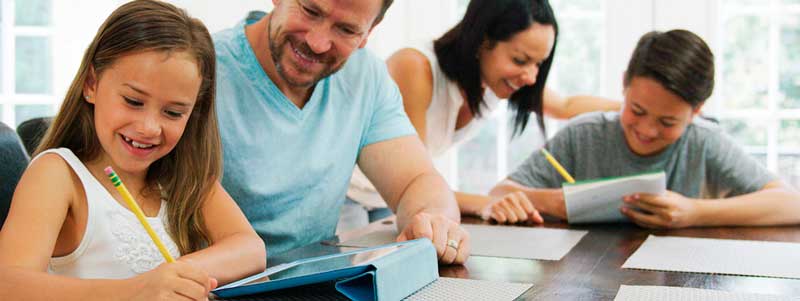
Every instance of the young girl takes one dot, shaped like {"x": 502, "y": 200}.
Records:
{"x": 711, "y": 181}
{"x": 142, "y": 103}
{"x": 500, "y": 50}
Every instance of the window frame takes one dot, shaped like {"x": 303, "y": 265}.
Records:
{"x": 9, "y": 98}
{"x": 773, "y": 115}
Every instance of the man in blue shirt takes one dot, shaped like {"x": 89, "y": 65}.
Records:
{"x": 299, "y": 104}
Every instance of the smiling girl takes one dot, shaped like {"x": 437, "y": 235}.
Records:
{"x": 143, "y": 103}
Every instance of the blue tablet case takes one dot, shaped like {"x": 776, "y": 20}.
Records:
{"x": 390, "y": 277}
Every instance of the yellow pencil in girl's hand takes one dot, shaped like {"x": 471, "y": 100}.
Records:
{"x": 138, "y": 212}
{"x": 558, "y": 166}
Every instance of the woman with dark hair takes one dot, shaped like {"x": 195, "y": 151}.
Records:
{"x": 501, "y": 49}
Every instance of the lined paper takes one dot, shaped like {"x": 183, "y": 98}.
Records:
{"x": 663, "y": 293}
{"x": 598, "y": 201}
{"x": 469, "y": 290}
{"x": 498, "y": 241}
{"x": 717, "y": 256}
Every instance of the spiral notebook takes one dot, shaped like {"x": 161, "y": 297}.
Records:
{"x": 599, "y": 200}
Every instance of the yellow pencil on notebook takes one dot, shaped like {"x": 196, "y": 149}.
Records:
{"x": 138, "y": 212}
{"x": 558, "y": 166}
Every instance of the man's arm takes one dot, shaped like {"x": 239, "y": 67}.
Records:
{"x": 403, "y": 173}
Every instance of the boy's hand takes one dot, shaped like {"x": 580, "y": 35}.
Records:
{"x": 511, "y": 208}
{"x": 671, "y": 210}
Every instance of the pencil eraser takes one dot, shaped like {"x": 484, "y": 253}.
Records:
{"x": 108, "y": 170}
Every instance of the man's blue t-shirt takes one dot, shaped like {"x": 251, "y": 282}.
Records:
{"x": 288, "y": 168}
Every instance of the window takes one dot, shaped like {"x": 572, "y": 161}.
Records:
{"x": 42, "y": 43}
{"x": 757, "y": 94}
{"x": 759, "y": 80}
{"x": 27, "y": 60}
{"x": 577, "y": 68}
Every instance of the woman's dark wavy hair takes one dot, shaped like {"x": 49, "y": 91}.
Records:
{"x": 495, "y": 21}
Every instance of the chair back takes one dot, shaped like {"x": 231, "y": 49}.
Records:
{"x": 31, "y": 132}
{"x": 13, "y": 161}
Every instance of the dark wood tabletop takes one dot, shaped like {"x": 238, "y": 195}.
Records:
{"x": 592, "y": 269}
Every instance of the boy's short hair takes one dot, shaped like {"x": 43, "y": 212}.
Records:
{"x": 677, "y": 59}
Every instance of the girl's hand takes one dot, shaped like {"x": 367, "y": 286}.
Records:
{"x": 511, "y": 208}
{"x": 173, "y": 281}
{"x": 671, "y": 210}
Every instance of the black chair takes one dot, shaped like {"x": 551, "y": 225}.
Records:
{"x": 31, "y": 132}
{"x": 13, "y": 161}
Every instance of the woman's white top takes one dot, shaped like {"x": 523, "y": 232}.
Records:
{"x": 114, "y": 245}
{"x": 440, "y": 122}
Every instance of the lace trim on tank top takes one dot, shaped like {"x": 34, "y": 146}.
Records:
{"x": 135, "y": 247}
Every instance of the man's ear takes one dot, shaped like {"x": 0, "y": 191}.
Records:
{"x": 90, "y": 85}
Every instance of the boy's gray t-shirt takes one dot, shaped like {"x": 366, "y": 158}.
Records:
{"x": 703, "y": 163}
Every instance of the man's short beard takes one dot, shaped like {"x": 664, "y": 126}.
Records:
{"x": 276, "y": 51}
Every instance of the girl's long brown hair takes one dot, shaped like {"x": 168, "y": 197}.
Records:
{"x": 188, "y": 173}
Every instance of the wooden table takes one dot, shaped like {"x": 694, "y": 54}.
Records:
{"x": 591, "y": 270}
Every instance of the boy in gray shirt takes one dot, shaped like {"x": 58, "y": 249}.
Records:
{"x": 669, "y": 77}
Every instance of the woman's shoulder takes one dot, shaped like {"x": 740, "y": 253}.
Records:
{"x": 411, "y": 70}
{"x": 410, "y": 60}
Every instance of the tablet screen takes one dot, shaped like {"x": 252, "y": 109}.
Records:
{"x": 303, "y": 268}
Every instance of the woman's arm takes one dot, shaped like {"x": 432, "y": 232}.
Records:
{"x": 568, "y": 107}
{"x": 235, "y": 250}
